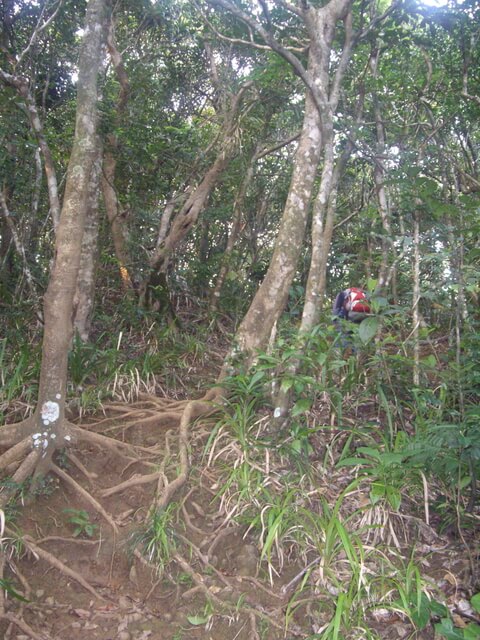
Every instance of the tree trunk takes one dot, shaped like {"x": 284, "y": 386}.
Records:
{"x": 233, "y": 235}
{"x": 20, "y": 249}
{"x": 379, "y": 178}
{"x": 113, "y": 208}
{"x": 188, "y": 215}
{"x": 48, "y": 420}
{"x": 271, "y": 297}
{"x": 322, "y": 99}
{"x": 21, "y": 85}
{"x": 416, "y": 317}
{"x": 85, "y": 292}
{"x": 115, "y": 215}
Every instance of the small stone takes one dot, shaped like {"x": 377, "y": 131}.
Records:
{"x": 50, "y": 601}
{"x": 40, "y": 593}
{"x": 124, "y": 635}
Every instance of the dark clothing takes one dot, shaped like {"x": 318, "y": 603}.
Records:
{"x": 339, "y": 310}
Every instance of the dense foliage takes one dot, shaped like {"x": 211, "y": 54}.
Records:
{"x": 165, "y": 122}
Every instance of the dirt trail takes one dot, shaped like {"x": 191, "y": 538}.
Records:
{"x": 101, "y": 586}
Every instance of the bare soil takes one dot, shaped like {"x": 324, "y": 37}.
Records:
{"x": 214, "y": 586}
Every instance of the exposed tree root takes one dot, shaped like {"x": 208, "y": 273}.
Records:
{"x": 223, "y": 604}
{"x": 190, "y": 524}
{"x": 85, "y": 495}
{"x": 191, "y": 409}
{"x": 24, "y": 471}
{"x": 23, "y": 457}
{"x": 23, "y": 626}
{"x": 57, "y": 564}
{"x": 156, "y": 420}
{"x": 15, "y": 453}
{"x": 132, "y": 482}
{"x": 80, "y": 466}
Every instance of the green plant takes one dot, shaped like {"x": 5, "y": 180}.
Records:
{"x": 6, "y": 585}
{"x": 392, "y": 473}
{"x": 471, "y": 631}
{"x": 276, "y": 520}
{"x": 202, "y": 618}
{"x": 157, "y": 541}
{"x": 19, "y": 371}
{"x": 80, "y": 519}
{"x": 413, "y": 600}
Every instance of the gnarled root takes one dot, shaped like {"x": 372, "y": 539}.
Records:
{"x": 38, "y": 552}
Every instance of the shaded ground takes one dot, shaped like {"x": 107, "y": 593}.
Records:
{"x": 215, "y": 585}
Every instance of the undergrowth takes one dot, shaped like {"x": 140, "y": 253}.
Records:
{"x": 417, "y": 458}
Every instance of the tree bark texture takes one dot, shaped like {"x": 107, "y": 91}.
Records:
{"x": 384, "y": 272}
{"x": 85, "y": 291}
{"x": 58, "y": 304}
{"x": 188, "y": 215}
{"x": 317, "y": 135}
{"x": 271, "y": 297}
{"x": 233, "y": 235}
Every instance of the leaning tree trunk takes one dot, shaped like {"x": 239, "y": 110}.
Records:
{"x": 47, "y": 425}
{"x": 188, "y": 215}
{"x": 22, "y": 87}
{"x": 270, "y": 300}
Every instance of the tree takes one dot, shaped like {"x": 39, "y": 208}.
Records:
{"x": 47, "y": 429}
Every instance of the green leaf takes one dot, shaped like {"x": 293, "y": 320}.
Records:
{"x": 297, "y": 445}
{"x": 367, "y": 329}
{"x": 377, "y": 492}
{"x": 446, "y": 629}
{"x": 7, "y": 587}
{"x": 475, "y": 602}
{"x": 394, "y": 498}
{"x": 472, "y": 631}
{"x": 321, "y": 358}
{"x": 301, "y": 406}
{"x": 286, "y": 384}
{"x": 421, "y": 616}
{"x": 351, "y": 462}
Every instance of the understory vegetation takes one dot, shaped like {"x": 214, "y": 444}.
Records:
{"x": 196, "y": 441}
{"x": 355, "y": 500}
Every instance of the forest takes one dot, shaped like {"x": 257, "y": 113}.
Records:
{"x": 196, "y": 440}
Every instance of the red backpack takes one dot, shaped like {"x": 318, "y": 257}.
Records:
{"x": 357, "y": 301}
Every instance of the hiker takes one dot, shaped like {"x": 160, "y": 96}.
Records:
{"x": 351, "y": 305}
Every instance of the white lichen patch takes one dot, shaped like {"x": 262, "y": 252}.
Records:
{"x": 67, "y": 438}
{"x": 277, "y": 413}
{"x": 37, "y": 440}
{"x": 50, "y": 412}
{"x": 58, "y": 396}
